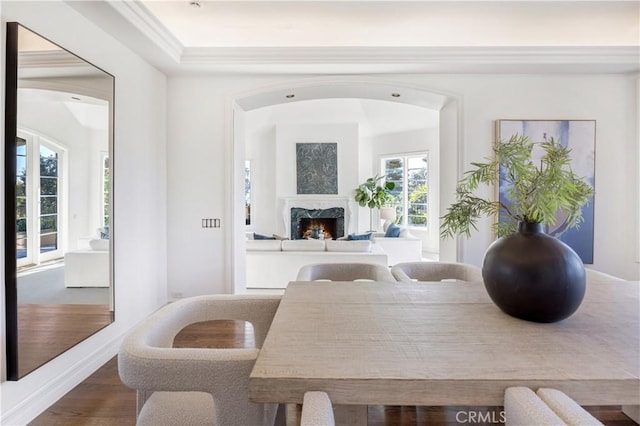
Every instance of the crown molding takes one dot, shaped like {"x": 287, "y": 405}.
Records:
{"x": 387, "y": 59}
{"x": 140, "y": 17}
{"x": 412, "y": 55}
{"x": 341, "y": 60}
{"x": 50, "y": 58}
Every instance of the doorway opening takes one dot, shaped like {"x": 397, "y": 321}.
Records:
{"x": 266, "y": 123}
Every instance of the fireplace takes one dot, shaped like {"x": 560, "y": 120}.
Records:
{"x": 322, "y": 208}
{"x": 317, "y": 223}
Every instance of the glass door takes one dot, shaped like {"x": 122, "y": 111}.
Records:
{"x": 24, "y": 251}
{"x": 49, "y": 217}
{"x": 38, "y": 195}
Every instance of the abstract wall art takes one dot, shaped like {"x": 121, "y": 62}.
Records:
{"x": 317, "y": 168}
{"x": 579, "y": 136}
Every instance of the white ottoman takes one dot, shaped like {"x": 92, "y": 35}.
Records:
{"x": 86, "y": 268}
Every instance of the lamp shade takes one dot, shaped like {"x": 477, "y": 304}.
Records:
{"x": 387, "y": 213}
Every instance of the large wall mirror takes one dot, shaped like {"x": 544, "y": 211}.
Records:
{"x": 58, "y": 189}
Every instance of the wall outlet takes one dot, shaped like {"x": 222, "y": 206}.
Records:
{"x": 176, "y": 295}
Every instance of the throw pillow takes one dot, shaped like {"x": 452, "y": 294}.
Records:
{"x": 104, "y": 232}
{"x": 352, "y": 237}
{"x": 262, "y": 237}
{"x": 393, "y": 231}
{"x": 279, "y": 237}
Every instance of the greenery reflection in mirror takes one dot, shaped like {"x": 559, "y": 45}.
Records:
{"x": 58, "y": 149}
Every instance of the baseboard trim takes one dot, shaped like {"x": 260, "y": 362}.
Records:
{"x": 632, "y": 411}
{"x": 31, "y": 407}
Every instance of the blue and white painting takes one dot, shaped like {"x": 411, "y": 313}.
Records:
{"x": 579, "y": 136}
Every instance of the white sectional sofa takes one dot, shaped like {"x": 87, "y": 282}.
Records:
{"x": 405, "y": 248}
{"x": 272, "y": 264}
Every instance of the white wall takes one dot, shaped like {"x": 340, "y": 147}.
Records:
{"x": 287, "y": 135}
{"x": 139, "y": 230}
{"x": 606, "y": 99}
{"x": 273, "y": 154}
{"x": 197, "y": 145}
{"x": 199, "y": 167}
{"x": 260, "y": 149}
{"x": 637, "y": 192}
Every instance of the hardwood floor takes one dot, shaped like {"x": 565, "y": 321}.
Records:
{"x": 40, "y": 338}
{"x": 103, "y": 400}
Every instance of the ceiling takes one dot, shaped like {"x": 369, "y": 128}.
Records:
{"x": 337, "y": 37}
{"x": 374, "y": 117}
{"x": 394, "y": 23}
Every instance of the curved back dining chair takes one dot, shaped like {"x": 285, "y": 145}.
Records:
{"x": 344, "y": 272}
{"x": 435, "y": 271}
{"x": 201, "y": 384}
{"x": 546, "y": 407}
{"x": 566, "y": 408}
{"x": 317, "y": 410}
{"x": 523, "y": 407}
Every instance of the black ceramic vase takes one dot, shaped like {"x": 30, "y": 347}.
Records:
{"x": 533, "y": 276}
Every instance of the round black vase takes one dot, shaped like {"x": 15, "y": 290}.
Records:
{"x": 532, "y": 276}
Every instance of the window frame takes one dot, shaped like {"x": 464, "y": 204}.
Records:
{"x": 34, "y": 141}
{"x": 105, "y": 189}
{"x": 248, "y": 192}
{"x": 405, "y": 201}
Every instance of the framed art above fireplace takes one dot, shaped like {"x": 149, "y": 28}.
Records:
{"x": 317, "y": 168}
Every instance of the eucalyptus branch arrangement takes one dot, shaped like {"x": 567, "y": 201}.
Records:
{"x": 537, "y": 192}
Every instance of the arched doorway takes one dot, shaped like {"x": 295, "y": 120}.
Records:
{"x": 448, "y": 106}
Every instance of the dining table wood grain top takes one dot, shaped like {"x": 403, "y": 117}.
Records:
{"x": 444, "y": 343}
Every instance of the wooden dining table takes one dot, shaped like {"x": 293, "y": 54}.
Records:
{"x": 444, "y": 344}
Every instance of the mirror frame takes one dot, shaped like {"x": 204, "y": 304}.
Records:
{"x": 10, "y": 150}
{"x": 10, "y": 134}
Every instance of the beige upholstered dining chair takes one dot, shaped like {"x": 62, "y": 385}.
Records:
{"x": 344, "y": 272}
{"x": 317, "y": 410}
{"x": 550, "y": 407}
{"x": 435, "y": 271}
{"x": 196, "y": 385}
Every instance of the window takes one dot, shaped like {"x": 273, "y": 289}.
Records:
{"x": 48, "y": 200}
{"x": 38, "y": 194}
{"x": 247, "y": 192}
{"x": 105, "y": 190}
{"x": 409, "y": 172}
{"x": 22, "y": 240}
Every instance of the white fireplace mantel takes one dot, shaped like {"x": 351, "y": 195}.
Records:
{"x": 318, "y": 202}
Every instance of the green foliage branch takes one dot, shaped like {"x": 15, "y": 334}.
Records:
{"x": 537, "y": 192}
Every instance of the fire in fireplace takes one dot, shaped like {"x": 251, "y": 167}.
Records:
{"x": 321, "y": 228}
{"x": 317, "y": 223}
